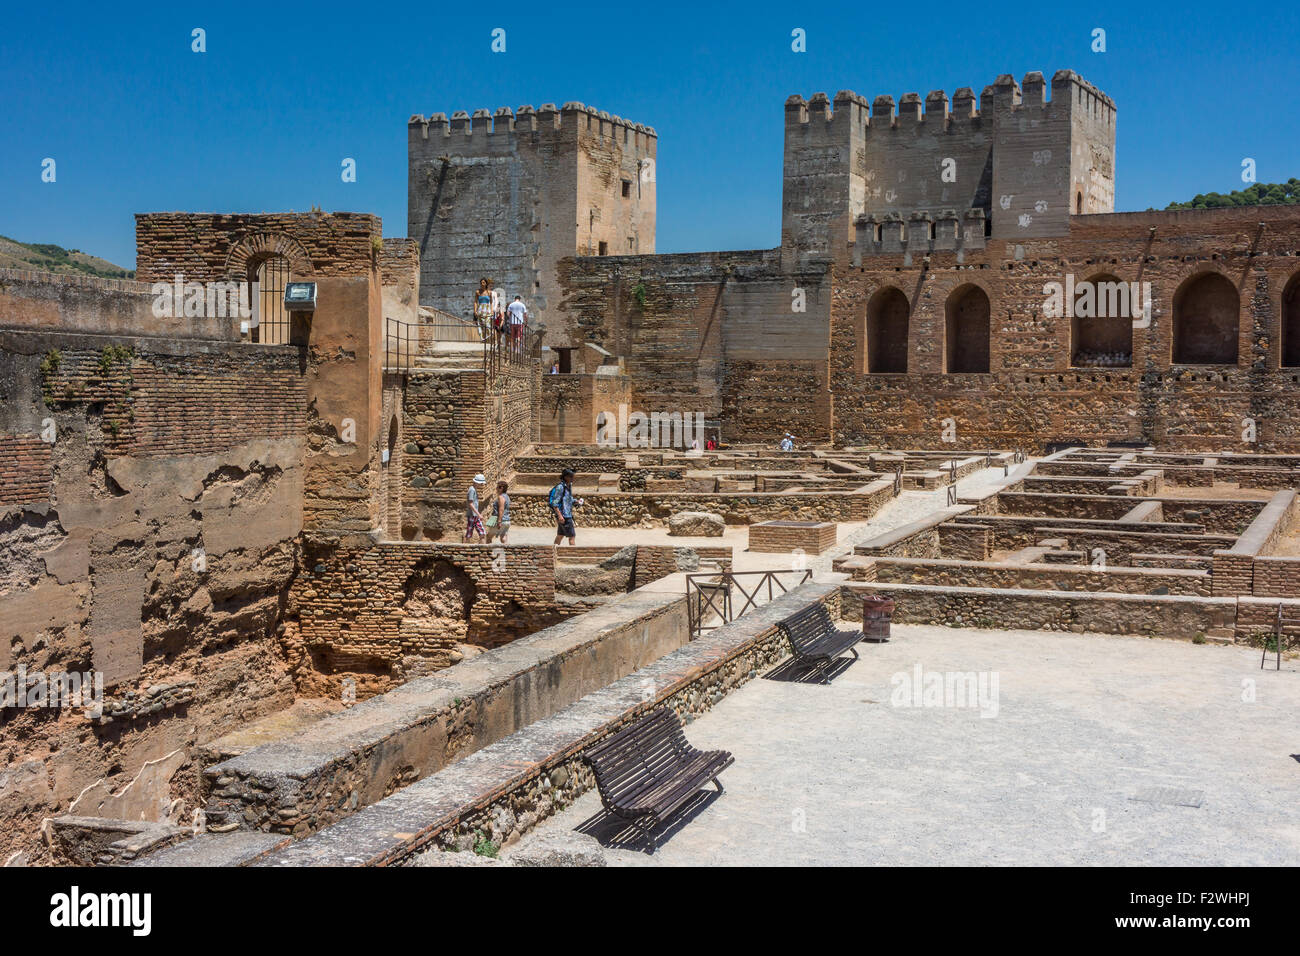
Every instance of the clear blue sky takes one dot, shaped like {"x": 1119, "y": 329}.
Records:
{"x": 261, "y": 122}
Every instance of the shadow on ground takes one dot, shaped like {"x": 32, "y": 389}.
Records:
{"x": 615, "y": 833}
{"x": 791, "y": 671}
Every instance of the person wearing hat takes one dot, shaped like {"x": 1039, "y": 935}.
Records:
{"x": 473, "y": 519}
{"x": 787, "y": 443}
{"x": 561, "y": 503}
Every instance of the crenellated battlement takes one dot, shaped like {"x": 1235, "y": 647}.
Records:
{"x": 1004, "y": 95}
{"x": 508, "y": 194}
{"x": 883, "y": 172}
{"x": 569, "y": 121}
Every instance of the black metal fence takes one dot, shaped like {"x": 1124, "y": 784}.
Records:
{"x": 715, "y": 594}
{"x": 511, "y": 344}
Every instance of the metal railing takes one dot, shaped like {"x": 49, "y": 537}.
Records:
{"x": 511, "y": 345}
{"x": 710, "y": 594}
{"x": 1280, "y": 624}
{"x": 504, "y": 345}
{"x": 401, "y": 343}
{"x": 445, "y": 327}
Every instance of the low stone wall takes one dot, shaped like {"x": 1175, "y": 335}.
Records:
{"x": 1182, "y": 475}
{"x": 1144, "y": 512}
{"x": 968, "y": 542}
{"x": 1276, "y": 577}
{"x": 99, "y": 841}
{"x": 1234, "y": 567}
{"x": 508, "y": 787}
{"x": 579, "y": 571}
{"x": 918, "y": 539}
{"x": 1175, "y": 616}
{"x": 1013, "y": 532}
{"x": 1063, "y": 505}
{"x": 782, "y": 536}
{"x": 632, "y": 509}
{"x": 357, "y": 757}
{"x": 1217, "y": 516}
{"x": 1080, "y": 484}
{"x": 1213, "y": 516}
{"x": 1056, "y": 577}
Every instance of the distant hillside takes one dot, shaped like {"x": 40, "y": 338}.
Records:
{"x": 47, "y": 257}
{"x": 1258, "y": 194}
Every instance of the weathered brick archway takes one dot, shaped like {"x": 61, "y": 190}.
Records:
{"x": 250, "y": 251}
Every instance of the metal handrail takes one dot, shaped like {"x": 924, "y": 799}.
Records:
{"x": 1279, "y": 624}
{"x": 398, "y": 348}
{"x": 720, "y": 584}
{"x": 505, "y": 346}
{"x": 445, "y": 327}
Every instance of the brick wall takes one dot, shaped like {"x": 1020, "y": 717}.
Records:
{"x": 159, "y": 556}
{"x": 1276, "y": 577}
{"x": 455, "y": 425}
{"x": 723, "y": 333}
{"x": 25, "y": 471}
{"x": 184, "y": 402}
{"x": 386, "y": 612}
{"x": 1032, "y": 395}
{"x": 206, "y": 248}
{"x": 782, "y": 536}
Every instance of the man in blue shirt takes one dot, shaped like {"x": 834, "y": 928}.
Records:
{"x": 561, "y": 504}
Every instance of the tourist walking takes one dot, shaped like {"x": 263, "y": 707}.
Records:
{"x": 498, "y": 522}
{"x": 483, "y": 310}
{"x": 518, "y": 316}
{"x": 473, "y": 518}
{"x": 561, "y": 503}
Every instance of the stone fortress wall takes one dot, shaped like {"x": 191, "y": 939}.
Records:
{"x": 508, "y": 195}
{"x": 220, "y": 527}
{"x": 905, "y": 308}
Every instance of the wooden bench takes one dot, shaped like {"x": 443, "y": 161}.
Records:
{"x": 648, "y": 770}
{"x": 814, "y": 639}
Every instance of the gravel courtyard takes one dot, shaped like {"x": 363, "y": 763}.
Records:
{"x": 1076, "y": 727}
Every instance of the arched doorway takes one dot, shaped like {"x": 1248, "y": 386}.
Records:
{"x": 966, "y": 327}
{"x": 887, "y": 330}
{"x": 1206, "y": 321}
{"x": 1101, "y": 327}
{"x": 271, "y": 273}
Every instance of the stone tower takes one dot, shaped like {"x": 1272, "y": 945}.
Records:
{"x": 1017, "y": 167}
{"x": 508, "y": 196}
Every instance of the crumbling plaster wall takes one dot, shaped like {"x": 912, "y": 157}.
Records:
{"x": 154, "y": 546}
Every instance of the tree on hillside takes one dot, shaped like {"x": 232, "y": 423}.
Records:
{"x": 1256, "y": 194}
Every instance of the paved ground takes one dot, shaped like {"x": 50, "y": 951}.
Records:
{"x": 840, "y": 775}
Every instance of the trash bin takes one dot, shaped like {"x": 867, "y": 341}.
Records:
{"x": 877, "y": 613}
